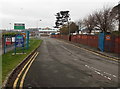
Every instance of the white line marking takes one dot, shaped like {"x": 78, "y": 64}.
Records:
{"x": 109, "y": 78}
{"x": 114, "y": 76}
{"x": 75, "y": 59}
{"x": 99, "y": 72}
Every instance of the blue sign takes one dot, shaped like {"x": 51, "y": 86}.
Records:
{"x": 19, "y": 41}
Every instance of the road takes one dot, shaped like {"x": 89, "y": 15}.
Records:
{"x": 60, "y": 64}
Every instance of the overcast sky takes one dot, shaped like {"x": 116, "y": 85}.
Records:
{"x": 31, "y": 12}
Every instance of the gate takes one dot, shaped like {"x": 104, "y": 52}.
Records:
{"x": 101, "y": 41}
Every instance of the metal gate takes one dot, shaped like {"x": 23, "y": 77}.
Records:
{"x": 101, "y": 41}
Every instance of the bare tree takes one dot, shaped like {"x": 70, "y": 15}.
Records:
{"x": 116, "y": 14}
{"x": 104, "y": 20}
{"x": 89, "y": 23}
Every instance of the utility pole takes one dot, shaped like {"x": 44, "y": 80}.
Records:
{"x": 69, "y": 29}
{"x": 10, "y": 26}
{"x": 37, "y": 24}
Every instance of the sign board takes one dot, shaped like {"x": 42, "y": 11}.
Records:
{"x": 19, "y": 41}
{"x": 8, "y": 41}
{"x": 24, "y": 35}
{"x": 108, "y": 37}
{"x": 19, "y": 26}
{"x": 13, "y": 39}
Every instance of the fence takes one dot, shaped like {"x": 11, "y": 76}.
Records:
{"x": 110, "y": 45}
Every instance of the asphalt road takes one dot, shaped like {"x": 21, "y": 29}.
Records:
{"x": 60, "y": 64}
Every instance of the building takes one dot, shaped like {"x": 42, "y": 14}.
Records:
{"x": 47, "y": 31}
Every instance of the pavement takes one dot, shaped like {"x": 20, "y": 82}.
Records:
{"x": 109, "y": 54}
{"x": 60, "y": 64}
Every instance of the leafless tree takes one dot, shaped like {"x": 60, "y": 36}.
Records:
{"x": 116, "y": 14}
{"x": 104, "y": 20}
{"x": 90, "y": 23}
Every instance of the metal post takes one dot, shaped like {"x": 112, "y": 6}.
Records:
{"x": 15, "y": 46}
{"x": 27, "y": 39}
{"x": 69, "y": 29}
{"x": 4, "y": 44}
{"x": 23, "y": 45}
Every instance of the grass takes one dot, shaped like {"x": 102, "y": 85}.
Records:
{"x": 10, "y": 61}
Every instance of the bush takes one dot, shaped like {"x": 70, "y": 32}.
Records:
{"x": 116, "y": 33}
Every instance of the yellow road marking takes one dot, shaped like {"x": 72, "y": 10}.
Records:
{"x": 23, "y": 77}
{"x": 15, "y": 82}
{"x": 115, "y": 59}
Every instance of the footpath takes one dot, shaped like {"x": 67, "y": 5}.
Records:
{"x": 95, "y": 50}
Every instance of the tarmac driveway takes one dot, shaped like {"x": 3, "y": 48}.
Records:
{"x": 60, "y": 64}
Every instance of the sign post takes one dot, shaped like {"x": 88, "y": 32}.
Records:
{"x": 8, "y": 40}
{"x": 4, "y": 44}
{"x": 19, "y": 42}
{"x": 27, "y": 39}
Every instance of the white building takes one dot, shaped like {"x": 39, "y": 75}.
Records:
{"x": 47, "y": 31}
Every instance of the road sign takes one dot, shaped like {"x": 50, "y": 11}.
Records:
{"x": 19, "y": 26}
{"x": 108, "y": 37}
{"x": 24, "y": 34}
{"x": 13, "y": 39}
{"x": 19, "y": 41}
{"x": 8, "y": 41}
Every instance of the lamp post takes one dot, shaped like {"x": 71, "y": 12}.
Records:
{"x": 69, "y": 28}
{"x": 10, "y": 26}
{"x": 37, "y": 23}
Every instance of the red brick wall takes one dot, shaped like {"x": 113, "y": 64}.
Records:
{"x": 117, "y": 45}
{"x": 89, "y": 40}
{"x": 112, "y": 45}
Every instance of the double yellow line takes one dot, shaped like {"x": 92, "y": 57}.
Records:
{"x": 27, "y": 67}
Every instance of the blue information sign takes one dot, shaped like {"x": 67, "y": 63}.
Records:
{"x": 19, "y": 41}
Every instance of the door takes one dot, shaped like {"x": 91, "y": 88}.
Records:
{"x": 101, "y": 41}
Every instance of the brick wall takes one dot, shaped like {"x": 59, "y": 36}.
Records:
{"x": 112, "y": 45}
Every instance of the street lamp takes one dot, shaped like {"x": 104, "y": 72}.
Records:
{"x": 10, "y": 26}
{"x": 37, "y": 23}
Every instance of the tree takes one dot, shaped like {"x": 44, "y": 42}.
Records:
{"x": 104, "y": 20}
{"x": 116, "y": 14}
{"x": 73, "y": 27}
{"x": 90, "y": 23}
{"x": 65, "y": 30}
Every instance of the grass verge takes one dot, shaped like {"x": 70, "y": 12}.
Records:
{"x": 10, "y": 61}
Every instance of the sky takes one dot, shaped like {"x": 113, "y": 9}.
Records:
{"x": 41, "y": 13}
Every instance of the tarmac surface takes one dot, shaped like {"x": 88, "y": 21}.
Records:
{"x": 60, "y": 64}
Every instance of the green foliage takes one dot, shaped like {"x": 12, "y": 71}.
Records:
{"x": 116, "y": 33}
{"x": 64, "y": 29}
{"x": 10, "y": 33}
